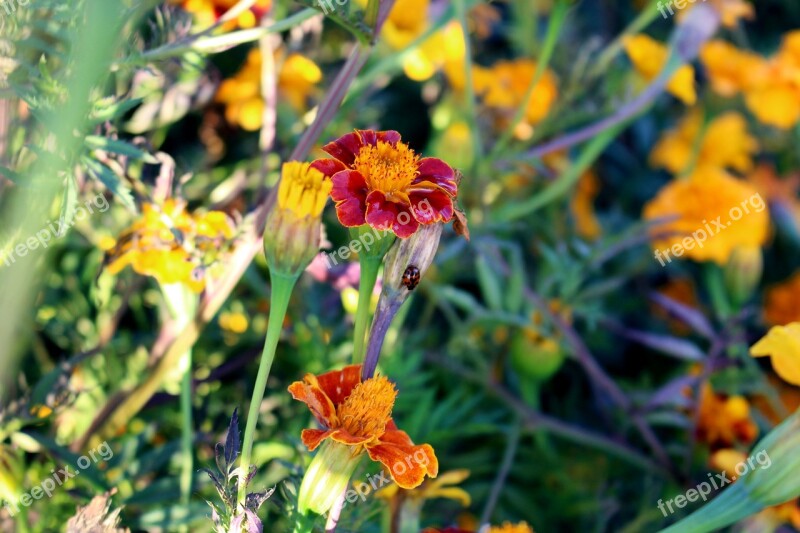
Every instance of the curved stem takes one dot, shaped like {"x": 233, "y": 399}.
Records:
{"x": 369, "y": 275}
{"x": 282, "y": 287}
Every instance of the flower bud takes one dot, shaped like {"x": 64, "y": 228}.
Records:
{"x": 327, "y": 477}
{"x": 743, "y": 273}
{"x": 293, "y": 227}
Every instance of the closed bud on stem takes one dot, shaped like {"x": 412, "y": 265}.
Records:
{"x": 294, "y": 224}
{"x": 743, "y": 273}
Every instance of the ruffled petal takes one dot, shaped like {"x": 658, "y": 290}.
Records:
{"x": 314, "y": 437}
{"x": 385, "y": 215}
{"x": 430, "y": 207}
{"x": 338, "y": 384}
{"x": 310, "y": 393}
{"x": 349, "y": 192}
{"x": 329, "y": 167}
{"x": 346, "y": 147}
{"x": 344, "y": 436}
{"x": 408, "y": 464}
{"x": 438, "y": 172}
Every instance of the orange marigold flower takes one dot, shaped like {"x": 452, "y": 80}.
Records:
{"x": 356, "y": 417}
{"x": 207, "y": 12}
{"x": 775, "y": 97}
{"x": 724, "y": 420}
{"x": 731, "y": 70}
{"x": 582, "y": 206}
{"x": 508, "y": 527}
{"x": 730, "y": 11}
{"x": 503, "y": 87}
{"x": 704, "y": 202}
{"x": 782, "y": 343}
{"x": 380, "y": 181}
{"x": 724, "y": 143}
{"x": 782, "y": 302}
{"x": 649, "y": 57}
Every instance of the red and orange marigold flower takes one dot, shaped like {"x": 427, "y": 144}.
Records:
{"x": 379, "y": 180}
{"x": 356, "y": 417}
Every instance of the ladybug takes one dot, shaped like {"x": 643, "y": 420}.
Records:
{"x": 411, "y": 277}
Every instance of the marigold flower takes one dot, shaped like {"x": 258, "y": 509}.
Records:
{"x": 356, "y": 417}
{"x": 724, "y": 420}
{"x": 504, "y": 85}
{"x": 297, "y": 80}
{"x": 782, "y": 302}
{"x": 293, "y": 227}
{"x": 731, "y": 70}
{"x": 774, "y": 98}
{"x": 709, "y": 194}
{"x": 782, "y": 343}
{"x": 582, "y": 206}
{"x": 378, "y": 180}
{"x": 649, "y": 57}
{"x": 508, "y": 527}
{"x": 207, "y": 12}
{"x": 444, "y": 486}
{"x": 171, "y": 244}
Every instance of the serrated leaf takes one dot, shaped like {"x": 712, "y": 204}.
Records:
{"x": 111, "y": 181}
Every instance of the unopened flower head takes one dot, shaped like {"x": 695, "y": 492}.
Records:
{"x": 293, "y": 228}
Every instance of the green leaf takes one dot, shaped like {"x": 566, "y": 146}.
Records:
{"x": 68, "y": 209}
{"x": 96, "y": 142}
{"x": 112, "y": 182}
{"x": 104, "y": 111}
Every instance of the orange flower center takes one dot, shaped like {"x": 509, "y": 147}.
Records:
{"x": 368, "y": 409}
{"x": 389, "y": 168}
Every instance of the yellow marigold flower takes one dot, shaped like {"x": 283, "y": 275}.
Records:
{"x": 782, "y": 302}
{"x": 172, "y": 245}
{"x": 298, "y": 78}
{"x": 782, "y": 343}
{"x": 729, "y": 69}
{"x": 503, "y": 86}
{"x": 730, "y": 11}
{"x": 649, "y": 57}
{"x": 508, "y": 527}
{"x": 724, "y": 420}
{"x": 294, "y": 227}
{"x": 444, "y": 486}
{"x": 407, "y": 20}
{"x": 582, "y": 206}
{"x": 775, "y": 97}
{"x": 726, "y": 459}
{"x": 444, "y": 50}
{"x": 701, "y": 202}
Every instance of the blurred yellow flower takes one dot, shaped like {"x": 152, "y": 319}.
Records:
{"x": 708, "y": 195}
{"x": 782, "y": 302}
{"x": 503, "y": 86}
{"x": 782, "y": 343}
{"x": 775, "y": 96}
{"x": 170, "y": 244}
{"x": 726, "y": 459}
{"x": 508, "y": 527}
{"x": 724, "y": 420}
{"x": 724, "y": 143}
{"x": 444, "y": 486}
{"x": 730, "y": 11}
{"x": 207, "y": 12}
{"x": 234, "y": 322}
{"x": 297, "y": 80}
{"x": 729, "y": 69}
{"x": 582, "y": 206}
{"x": 649, "y": 57}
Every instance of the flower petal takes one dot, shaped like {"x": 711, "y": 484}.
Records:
{"x": 430, "y": 207}
{"x": 346, "y": 147}
{"x": 344, "y": 436}
{"x": 438, "y": 172}
{"x": 314, "y": 437}
{"x": 329, "y": 167}
{"x": 338, "y": 384}
{"x": 406, "y": 463}
{"x": 385, "y": 215}
{"x": 309, "y": 392}
{"x": 349, "y": 192}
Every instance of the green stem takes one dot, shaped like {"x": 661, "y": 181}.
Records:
{"x": 469, "y": 89}
{"x": 369, "y": 275}
{"x": 187, "y": 455}
{"x": 282, "y": 287}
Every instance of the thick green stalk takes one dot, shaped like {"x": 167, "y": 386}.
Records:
{"x": 282, "y": 287}
{"x": 369, "y": 275}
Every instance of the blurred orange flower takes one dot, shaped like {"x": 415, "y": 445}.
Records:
{"x": 729, "y": 69}
{"x": 782, "y": 302}
{"x": 730, "y": 11}
{"x": 724, "y": 420}
{"x": 649, "y": 57}
{"x": 724, "y": 143}
{"x": 775, "y": 96}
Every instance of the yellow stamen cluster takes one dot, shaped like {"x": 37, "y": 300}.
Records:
{"x": 368, "y": 408}
{"x": 303, "y": 189}
{"x": 389, "y": 168}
